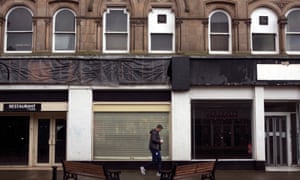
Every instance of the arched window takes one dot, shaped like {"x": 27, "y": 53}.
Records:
{"x": 161, "y": 24}
{"x": 64, "y": 37}
{"x": 293, "y": 32}
{"x": 18, "y": 30}
{"x": 219, "y": 32}
{"x": 116, "y": 31}
{"x": 264, "y": 31}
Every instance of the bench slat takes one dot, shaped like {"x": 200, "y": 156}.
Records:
{"x": 84, "y": 169}
{"x": 195, "y": 169}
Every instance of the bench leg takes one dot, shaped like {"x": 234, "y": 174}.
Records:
{"x": 208, "y": 176}
{"x": 70, "y": 176}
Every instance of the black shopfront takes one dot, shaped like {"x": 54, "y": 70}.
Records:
{"x": 221, "y": 129}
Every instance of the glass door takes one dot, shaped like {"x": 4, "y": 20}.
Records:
{"x": 51, "y": 140}
{"x": 43, "y": 146}
{"x": 278, "y": 140}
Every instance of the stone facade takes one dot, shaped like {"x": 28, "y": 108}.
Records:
{"x": 191, "y": 22}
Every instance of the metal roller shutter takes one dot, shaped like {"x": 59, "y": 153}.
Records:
{"x": 125, "y": 135}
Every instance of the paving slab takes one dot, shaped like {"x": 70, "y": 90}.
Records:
{"x": 135, "y": 175}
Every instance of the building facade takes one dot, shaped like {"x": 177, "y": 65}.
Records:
{"x": 87, "y": 79}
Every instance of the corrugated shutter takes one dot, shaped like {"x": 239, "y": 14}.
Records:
{"x": 125, "y": 135}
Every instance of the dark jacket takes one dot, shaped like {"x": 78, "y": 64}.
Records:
{"x": 154, "y": 142}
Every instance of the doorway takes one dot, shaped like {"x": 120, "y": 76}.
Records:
{"x": 278, "y": 139}
{"x": 14, "y": 135}
{"x": 50, "y": 146}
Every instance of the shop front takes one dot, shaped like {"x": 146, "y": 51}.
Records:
{"x": 221, "y": 129}
{"x": 122, "y": 124}
{"x": 33, "y": 132}
{"x": 282, "y": 135}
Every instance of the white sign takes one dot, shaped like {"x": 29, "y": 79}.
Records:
{"x": 278, "y": 72}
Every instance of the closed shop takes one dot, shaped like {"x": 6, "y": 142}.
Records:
{"x": 221, "y": 129}
{"x": 121, "y": 129}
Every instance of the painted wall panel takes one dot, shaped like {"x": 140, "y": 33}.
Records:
{"x": 79, "y": 124}
{"x": 181, "y": 126}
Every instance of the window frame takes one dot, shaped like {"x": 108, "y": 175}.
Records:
{"x": 229, "y": 33}
{"x": 291, "y": 33}
{"x": 170, "y": 17}
{"x": 6, "y": 31}
{"x": 54, "y": 33}
{"x": 104, "y": 49}
{"x": 264, "y": 29}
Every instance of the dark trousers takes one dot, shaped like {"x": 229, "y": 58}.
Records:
{"x": 156, "y": 160}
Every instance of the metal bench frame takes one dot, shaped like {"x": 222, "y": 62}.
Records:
{"x": 72, "y": 169}
{"x": 204, "y": 170}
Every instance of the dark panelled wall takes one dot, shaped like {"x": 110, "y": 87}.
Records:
{"x": 34, "y": 96}
{"x": 84, "y": 71}
{"x": 223, "y": 72}
{"x": 180, "y": 73}
{"x": 132, "y": 95}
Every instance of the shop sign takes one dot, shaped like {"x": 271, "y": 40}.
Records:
{"x": 222, "y": 114}
{"x": 22, "y": 107}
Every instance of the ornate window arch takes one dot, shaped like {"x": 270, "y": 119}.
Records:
{"x": 293, "y": 31}
{"x": 18, "y": 30}
{"x": 64, "y": 31}
{"x": 219, "y": 32}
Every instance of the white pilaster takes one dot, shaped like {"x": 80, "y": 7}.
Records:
{"x": 79, "y": 124}
{"x": 181, "y": 126}
{"x": 258, "y": 125}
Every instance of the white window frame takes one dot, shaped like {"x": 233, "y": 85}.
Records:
{"x": 63, "y": 32}
{"x": 271, "y": 28}
{"x": 106, "y": 32}
{"x": 211, "y": 33}
{"x": 6, "y": 31}
{"x": 291, "y": 33}
{"x": 155, "y": 28}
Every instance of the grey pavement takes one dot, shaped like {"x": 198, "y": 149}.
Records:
{"x": 135, "y": 175}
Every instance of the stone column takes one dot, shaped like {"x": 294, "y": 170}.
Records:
{"x": 282, "y": 41}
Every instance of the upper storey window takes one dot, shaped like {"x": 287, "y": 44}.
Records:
{"x": 116, "y": 31}
{"x": 161, "y": 31}
{"x": 264, "y": 31}
{"x": 19, "y": 30}
{"x": 64, "y": 31}
{"x": 219, "y": 33}
{"x": 293, "y": 32}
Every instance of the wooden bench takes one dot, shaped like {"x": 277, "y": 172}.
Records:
{"x": 74, "y": 169}
{"x": 203, "y": 170}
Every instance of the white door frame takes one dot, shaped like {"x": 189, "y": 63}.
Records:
{"x": 52, "y": 137}
{"x": 288, "y": 126}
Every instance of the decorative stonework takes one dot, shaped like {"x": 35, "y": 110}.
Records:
{"x": 282, "y": 3}
{"x": 161, "y": 0}
{"x": 68, "y": 1}
{"x": 2, "y": 1}
{"x": 187, "y": 6}
{"x": 178, "y": 21}
{"x": 90, "y": 6}
{"x": 205, "y": 21}
{"x": 138, "y": 21}
{"x": 282, "y": 22}
{"x": 116, "y": 1}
